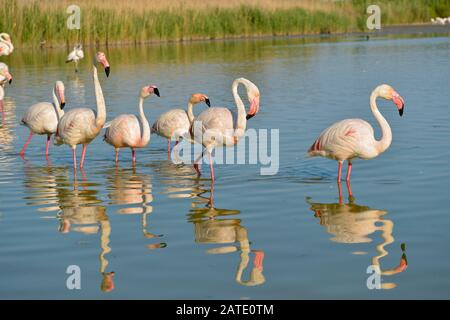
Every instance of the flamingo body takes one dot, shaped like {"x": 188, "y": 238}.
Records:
{"x": 6, "y": 46}
{"x": 172, "y": 124}
{"x": 78, "y": 126}
{"x": 75, "y": 55}
{"x": 41, "y": 118}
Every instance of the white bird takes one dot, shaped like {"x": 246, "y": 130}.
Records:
{"x": 5, "y": 76}
{"x": 176, "y": 123}
{"x": 82, "y": 125}
{"x": 354, "y": 138}
{"x": 129, "y": 131}
{"x": 6, "y": 46}
{"x": 43, "y": 117}
{"x": 223, "y": 127}
{"x": 76, "y": 55}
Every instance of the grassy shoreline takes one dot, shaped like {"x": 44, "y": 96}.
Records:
{"x": 137, "y": 21}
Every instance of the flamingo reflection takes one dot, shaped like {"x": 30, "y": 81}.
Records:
{"x": 351, "y": 223}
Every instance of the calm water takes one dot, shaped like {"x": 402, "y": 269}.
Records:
{"x": 152, "y": 225}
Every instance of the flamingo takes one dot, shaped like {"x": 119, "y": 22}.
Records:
{"x": 82, "y": 125}
{"x": 76, "y": 55}
{"x": 129, "y": 131}
{"x": 42, "y": 118}
{"x": 221, "y": 126}
{"x": 6, "y": 46}
{"x": 175, "y": 124}
{"x": 354, "y": 138}
{"x": 5, "y": 76}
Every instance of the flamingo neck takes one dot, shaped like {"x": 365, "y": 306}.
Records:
{"x": 145, "y": 137}
{"x": 56, "y": 105}
{"x": 241, "y": 113}
{"x": 100, "y": 100}
{"x": 7, "y": 43}
{"x": 386, "y": 132}
{"x": 2, "y": 92}
{"x": 190, "y": 112}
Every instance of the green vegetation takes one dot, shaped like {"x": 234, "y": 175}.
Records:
{"x": 32, "y": 23}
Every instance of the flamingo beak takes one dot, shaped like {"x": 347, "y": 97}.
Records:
{"x": 156, "y": 91}
{"x": 399, "y": 102}
{"x": 107, "y": 71}
{"x": 254, "y": 108}
{"x": 208, "y": 103}
{"x": 8, "y": 77}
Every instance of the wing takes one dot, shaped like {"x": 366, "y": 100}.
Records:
{"x": 78, "y": 126}
{"x": 124, "y": 130}
{"x": 175, "y": 120}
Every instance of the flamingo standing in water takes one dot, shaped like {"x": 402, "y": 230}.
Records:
{"x": 76, "y": 55}
{"x": 43, "y": 117}
{"x": 176, "y": 123}
{"x": 6, "y": 46}
{"x": 354, "y": 138}
{"x": 221, "y": 126}
{"x": 82, "y": 125}
{"x": 129, "y": 131}
{"x": 5, "y": 76}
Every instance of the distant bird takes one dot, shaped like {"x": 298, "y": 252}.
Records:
{"x": 128, "y": 130}
{"x": 354, "y": 138}
{"x": 6, "y": 46}
{"x": 82, "y": 125}
{"x": 76, "y": 55}
{"x": 43, "y": 117}
{"x": 439, "y": 21}
{"x": 175, "y": 123}
{"x": 223, "y": 127}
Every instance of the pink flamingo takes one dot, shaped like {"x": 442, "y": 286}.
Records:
{"x": 82, "y": 125}
{"x": 175, "y": 123}
{"x": 42, "y": 118}
{"x": 221, "y": 126}
{"x": 354, "y": 138}
{"x": 6, "y": 46}
{"x": 129, "y": 131}
{"x": 5, "y": 76}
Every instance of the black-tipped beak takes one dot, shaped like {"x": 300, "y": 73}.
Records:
{"x": 10, "y": 81}
{"x": 400, "y": 111}
{"x": 249, "y": 116}
{"x": 107, "y": 70}
{"x": 156, "y": 91}
{"x": 62, "y": 105}
{"x": 208, "y": 103}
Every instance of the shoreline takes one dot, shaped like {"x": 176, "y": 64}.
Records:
{"x": 424, "y": 29}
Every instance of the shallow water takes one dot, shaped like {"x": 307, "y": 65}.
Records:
{"x": 153, "y": 225}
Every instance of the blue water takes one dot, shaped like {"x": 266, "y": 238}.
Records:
{"x": 155, "y": 226}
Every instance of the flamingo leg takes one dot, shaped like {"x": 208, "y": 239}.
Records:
{"x": 211, "y": 167}
{"x": 258, "y": 260}
{"x": 168, "y": 149}
{"x": 74, "y": 155}
{"x": 196, "y": 166}
{"x": 133, "y": 155}
{"x": 349, "y": 171}
{"x": 117, "y": 156}
{"x": 340, "y": 192}
{"x": 339, "y": 171}
{"x": 350, "y": 193}
{"x": 26, "y": 144}
{"x": 47, "y": 146}
{"x": 83, "y": 154}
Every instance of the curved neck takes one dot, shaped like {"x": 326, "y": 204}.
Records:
{"x": 190, "y": 112}
{"x": 241, "y": 113}
{"x": 386, "y": 132}
{"x": 6, "y": 42}
{"x": 2, "y": 92}
{"x": 101, "y": 108}
{"x": 145, "y": 137}
{"x": 56, "y": 105}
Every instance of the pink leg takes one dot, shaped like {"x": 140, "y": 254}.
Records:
{"x": 349, "y": 171}
{"x": 117, "y": 156}
{"x": 211, "y": 167}
{"x": 168, "y": 149}
{"x": 47, "y": 146}
{"x": 26, "y": 145}
{"x": 258, "y": 260}
{"x": 340, "y": 192}
{"x": 133, "y": 155}
{"x": 350, "y": 193}
{"x": 83, "y": 154}
{"x": 74, "y": 155}
{"x": 339, "y": 171}
{"x": 196, "y": 166}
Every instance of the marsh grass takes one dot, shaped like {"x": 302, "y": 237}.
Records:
{"x": 33, "y": 22}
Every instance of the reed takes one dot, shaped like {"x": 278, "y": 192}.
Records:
{"x": 33, "y": 23}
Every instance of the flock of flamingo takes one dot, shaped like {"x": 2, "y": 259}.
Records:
{"x": 343, "y": 141}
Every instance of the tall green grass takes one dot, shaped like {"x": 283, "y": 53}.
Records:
{"x": 32, "y": 23}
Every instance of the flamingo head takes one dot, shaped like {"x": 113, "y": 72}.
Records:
{"x": 148, "y": 90}
{"x": 389, "y": 93}
{"x": 4, "y": 72}
{"x": 6, "y": 37}
{"x": 200, "y": 97}
{"x": 101, "y": 58}
{"x": 253, "y": 97}
{"x": 59, "y": 90}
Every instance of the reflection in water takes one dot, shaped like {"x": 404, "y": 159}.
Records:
{"x": 126, "y": 187}
{"x": 7, "y": 134}
{"x": 351, "y": 223}
{"x": 214, "y": 226}
{"x": 77, "y": 210}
